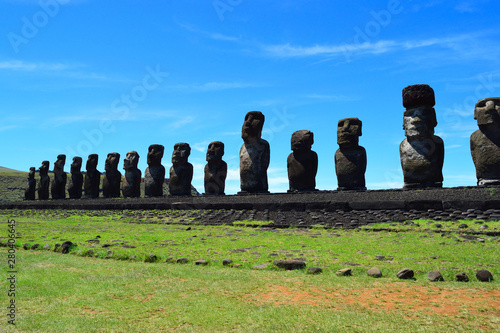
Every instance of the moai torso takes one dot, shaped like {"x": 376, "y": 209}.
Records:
{"x": 181, "y": 172}
{"x": 254, "y": 155}
{"x": 112, "y": 177}
{"x": 131, "y": 186}
{"x": 350, "y": 158}
{"x": 302, "y": 164}
{"x": 215, "y": 169}
{"x": 44, "y": 184}
{"x": 76, "y": 179}
{"x": 422, "y": 152}
{"x": 92, "y": 177}
{"x": 154, "y": 176}
{"x": 485, "y": 142}
{"x": 29, "y": 193}
{"x": 58, "y": 187}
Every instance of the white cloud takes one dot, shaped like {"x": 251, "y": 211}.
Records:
{"x": 183, "y": 121}
{"x": 207, "y": 34}
{"x": 19, "y": 65}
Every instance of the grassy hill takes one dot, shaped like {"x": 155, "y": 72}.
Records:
{"x": 13, "y": 184}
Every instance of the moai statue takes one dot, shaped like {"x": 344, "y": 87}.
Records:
{"x": 350, "y": 158}
{"x": 131, "y": 186}
{"x": 485, "y": 142}
{"x": 112, "y": 177}
{"x": 302, "y": 164}
{"x": 254, "y": 155}
{"x": 154, "y": 176}
{"x": 29, "y": 193}
{"x": 92, "y": 177}
{"x": 58, "y": 186}
{"x": 215, "y": 169}
{"x": 44, "y": 184}
{"x": 76, "y": 179}
{"x": 181, "y": 172}
{"x": 422, "y": 152}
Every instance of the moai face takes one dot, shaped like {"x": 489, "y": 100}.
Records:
{"x": 131, "y": 160}
{"x": 487, "y": 111}
{"x": 76, "y": 165}
{"x": 349, "y": 131}
{"x": 181, "y": 153}
{"x": 59, "y": 164}
{"x": 155, "y": 154}
{"x": 252, "y": 126}
{"x": 44, "y": 169}
{"x": 112, "y": 161}
{"x": 419, "y": 122}
{"x": 92, "y": 162}
{"x": 215, "y": 151}
{"x": 31, "y": 174}
{"x": 302, "y": 141}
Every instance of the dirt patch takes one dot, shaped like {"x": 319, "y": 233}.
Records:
{"x": 387, "y": 297}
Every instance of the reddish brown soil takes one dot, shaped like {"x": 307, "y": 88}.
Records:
{"x": 387, "y": 297}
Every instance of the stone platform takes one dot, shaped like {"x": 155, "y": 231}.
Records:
{"x": 328, "y": 208}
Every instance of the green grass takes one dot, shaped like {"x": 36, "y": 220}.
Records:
{"x": 79, "y": 293}
{"x": 247, "y": 223}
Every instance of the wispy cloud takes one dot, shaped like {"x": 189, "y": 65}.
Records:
{"x": 18, "y": 65}
{"x": 212, "y": 35}
{"x": 5, "y": 128}
{"x": 213, "y": 86}
{"x": 332, "y": 97}
{"x": 182, "y": 121}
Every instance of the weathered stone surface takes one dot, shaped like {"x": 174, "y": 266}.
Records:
{"x": 131, "y": 185}
{"x": 461, "y": 277}
{"x": 485, "y": 142}
{"x": 201, "y": 262}
{"x": 374, "y": 272}
{"x": 92, "y": 177}
{"x": 215, "y": 169}
{"x": 182, "y": 260}
{"x": 435, "y": 276}
{"x": 65, "y": 247}
{"x": 46, "y": 247}
{"x": 26, "y": 246}
{"x": 344, "y": 272}
{"x": 58, "y": 185}
{"x": 302, "y": 164}
{"x": 259, "y": 267}
{"x": 35, "y": 246}
{"x": 484, "y": 275}
{"x": 463, "y": 226}
{"x": 151, "y": 258}
{"x": 181, "y": 172}
{"x": 254, "y": 155}
{"x": 227, "y": 262}
{"x": 154, "y": 176}
{"x": 289, "y": 264}
{"x": 350, "y": 158}
{"x": 75, "y": 184}
{"x": 314, "y": 270}
{"x": 29, "y": 192}
{"x": 421, "y": 153}
{"x": 405, "y": 273}
{"x": 112, "y": 177}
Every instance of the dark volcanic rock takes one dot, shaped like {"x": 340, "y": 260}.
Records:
{"x": 227, "y": 262}
{"x": 344, "y": 272}
{"x": 374, "y": 272}
{"x": 405, "y": 273}
{"x": 484, "y": 275}
{"x": 182, "y": 261}
{"x": 314, "y": 270}
{"x": 435, "y": 276}
{"x": 66, "y": 246}
{"x": 289, "y": 264}
{"x": 201, "y": 262}
{"x": 461, "y": 277}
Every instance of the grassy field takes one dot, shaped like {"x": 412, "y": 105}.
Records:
{"x": 84, "y": 292}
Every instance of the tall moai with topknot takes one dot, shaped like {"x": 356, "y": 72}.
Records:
{"x": 422, "y": 152}
{"x": 29, "y": 192}
{"x": 485, "y": 142}
{"x": 154, "y": 177}
{"x": 58, "y": 186}
{"x": 350, "y": 158}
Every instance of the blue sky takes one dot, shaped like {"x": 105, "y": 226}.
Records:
{"x": 89, "y": 76}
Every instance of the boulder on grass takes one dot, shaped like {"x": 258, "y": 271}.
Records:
{"x": 344, "y": 272}
{"x": 406, "y": 273}
{"x": 290, "y": 264}
{"x": 374, "y": 272}
{"x": 435, "y": 276}
{"x": 484, "y": 276}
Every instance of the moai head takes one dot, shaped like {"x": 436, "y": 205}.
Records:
{"x": 44, "y": 169}
{"x": 76, "y": 166}
{"x": 419, "y": 117}
{"x": 215, "y": 151}
{"x": 131, "y": 160}
{"x": 181, "y": 153}
{"x": 31, "y": 174}
{"x": 155, "y": 154}
{"x": 348, "y": 131}
{"x": 302, "y": 141}
{"x": 487, "y": 111}
{"x": 92, "y": 162}
{"x": 59, "y": 164}
{"x": 252, "y": 126}
{"x": 111, "y": 163}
